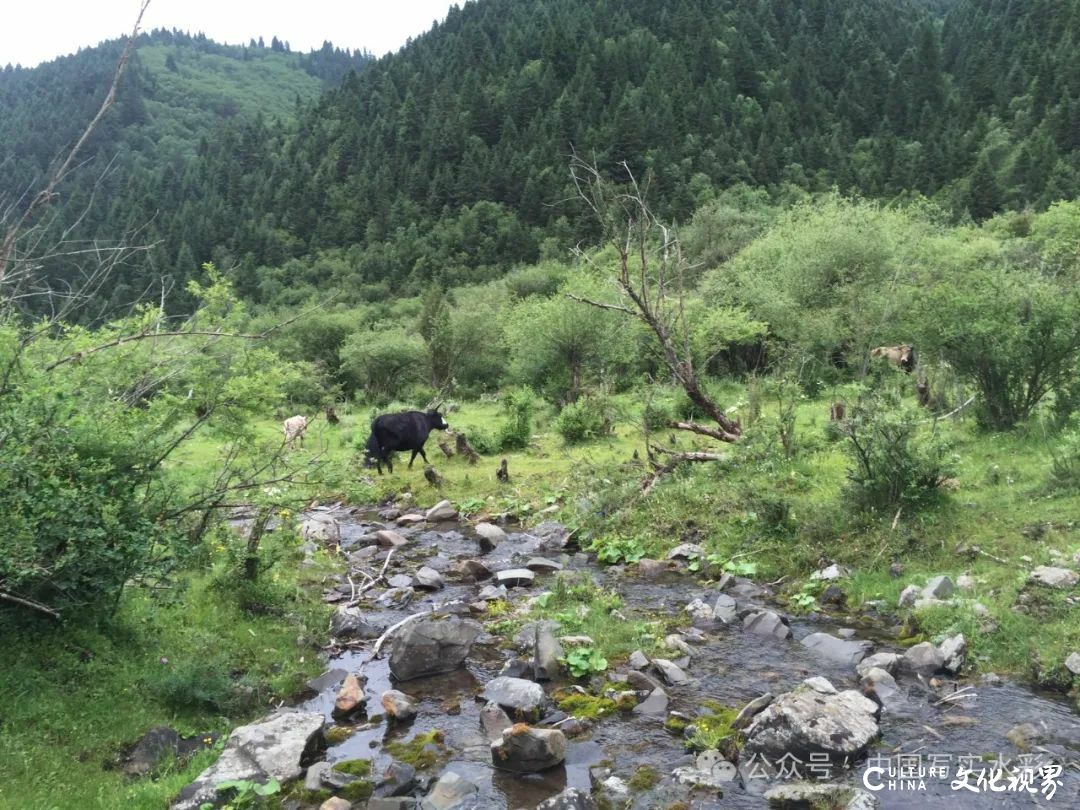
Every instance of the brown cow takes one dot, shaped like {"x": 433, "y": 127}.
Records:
{"x": 902, "y": 355}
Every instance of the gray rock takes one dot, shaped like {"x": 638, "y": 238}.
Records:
{"x": 494, "y": 721}
{"x": 528, "y": 750}
{"x": 830, "y": 573}
{"x": 515, "y": 577}
{"x": 685, "y": 551}
{"x": 398, "y": 780}
{"x": 490, "y": 532}
{"x": 525, "y": 638}
{"x": 710, "y": 770}
{"x": 400, "y": 581}
{"x": 803, "y": 795}
{"x": 443, "y": 510}
{"x": 766, "y": 623}
{"x": 699, "y": 611}
{"x": 836, "y": 649}
{"x": 1072, "y": 663}
{"x": 410, "y": 519}
{"x": 725, "y": 609}
{"x": 651, "y": 569}
{"x": 552, "y": 535}
{"x": 882, "y": 660}
{"x": 548, "y": 653}
{"x": 515, "y": 693}
{"x": 449, "y": 792}
{"x": 321, "y": 529}
{"x": 965, "y": 582}
{"x": 809, "y": 720}
{"x": 314, "y": 775}
{"x": 542, "y": 565}
{"x": 884, "y": 688}
{"x": 953, "y": 651}
{"x": 655, "y": 705}
{"x": 398, "y": 705}
{"x": 938, "y": 588}
{"x": 670, "y": 672}
{"x": 431, "y": 646}
{"x": 751, "y": 710}
{"x": 1053, "y": 577}
{"x": 638, "y": 660}
{"x": 272, "y": 748}
{"x": 429, "y": 579}
{"x": 673, "y": 641}
{"x": 469, "y": 571}
{"x": 820, "y": 684}
{"x": 923, "y": 659}
{"x": 349, "y": 622}
{"x": 388, "y": 538}
{"x": 350, "y": 698}
{"x": 336, "y": 803}
{"x": 909, "y": 595}
{"x": 569, "y": 799}
{"x": 641, "y": 681}
{"x": 492, "y": 592}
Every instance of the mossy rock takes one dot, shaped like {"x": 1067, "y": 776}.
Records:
{"x": 338, "y": 734}
{"x": 645, "y": 778}
{"x": 354, "y": 767}
{"x": 357, "y": 791}
{"x": 587, "y": 707}
{"x": 423, "y": 751}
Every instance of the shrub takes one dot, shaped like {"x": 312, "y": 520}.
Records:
{"x": 589, "y": 418}
{"x": 892, "y": 463}
{"x": 656, "y": 415}
{"x": 384, "y": 364}
{"x": 520, "y": 405}
{"x": 1064, "y": 473}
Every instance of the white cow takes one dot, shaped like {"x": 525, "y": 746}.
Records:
{"x": 294, "y": 429}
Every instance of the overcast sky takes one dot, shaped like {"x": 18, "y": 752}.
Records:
{"x": 36, "y": 31}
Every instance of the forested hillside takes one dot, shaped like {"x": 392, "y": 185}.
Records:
{"x": 179, "y": 93}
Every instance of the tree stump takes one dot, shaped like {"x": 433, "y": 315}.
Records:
{"x": 503, "y": 474}
{"x": 466, "y": 449}
{"x": 444, "y": 445}
{"x": 836, "y": 412}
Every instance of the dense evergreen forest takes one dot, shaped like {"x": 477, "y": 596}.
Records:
{"x": 448, "y": 160}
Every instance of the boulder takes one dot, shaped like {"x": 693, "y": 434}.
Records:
{"x": 398, "y": 705}
{"x": 431, "y": 646}
{"x": 494, "y": 721}
{"x": 542, "y": 565}
{"x": 938, "y": 588}
{"x": 1072, "y": 663}
{"x": 349, "y": 623}
{"x": 553, "y": 536}
{"x": 336, "y": 803}
{"x": 528, "y": 750}
{"x": 685, "y": 551}
{"x": 699, "y": 611}
{"x": 835, "y": 649}
{"x": 909, "y": 595}
{"x": 638, "y": 660}
{"x": 766, "y": 623}
{"x": 400, "y": 581}
{"x": 469, "y": 570}
{"x": 547, "y": 655}
{"x": 670, "y": 672}
{"x": 673, "y": 641}
{"x": 428, "y": 578}
{"x": 882, "y": 660}
{"x": 277, "y": 747}
{"x": 725, "y": 609}
{"x": 952, "y": 652}
{"x": 655, "y": 705}
{"x": 321, "y": 529}
{"x": 641, "y": 681}
{"x": 518, "y": 694}
{"x": 160, "y": 744}
{"x": 449, "y": 792}
{"x": 569, "y": 799}
{"x": 923, "y": 659}
{"x": 442, "y": 511}
{"x": 388, "y": 538}
{"x": 410, "y": 519}
{"x": 397, "y": 780}
{"x": 814, "y": 719}
{"x": 829, "y": 573}
{"x": 490, "y": 532}
{"x": 1053, "y": 577}
{"x": 350, "y": 698}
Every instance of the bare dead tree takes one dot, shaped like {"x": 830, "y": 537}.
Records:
{"x": 649, "y": 278}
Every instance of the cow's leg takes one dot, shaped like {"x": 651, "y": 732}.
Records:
{"x": 412, "y": 458}
{"x": 423, "y": 455}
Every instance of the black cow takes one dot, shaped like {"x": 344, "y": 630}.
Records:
{"x": 401, "y": 431}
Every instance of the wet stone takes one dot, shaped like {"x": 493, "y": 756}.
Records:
{"x": 548, "y": 653}
{"x": 388, "y": 538}
{"x": 641, "y": 681}
{"x": 699, "y": 611}
{"x": 670, "y": 672}
{"x": 490, "y": 532}
{"x": 879, "y": 685}
{"x": 767, "y": 623}
{"x": 515, "y": 693}
{"x": 801, "y": 795}
{"x": 400, "y": 581}
{"x": 429, "y": 579}
{"x": 883, "y": 660}
{"x": 923, "y": 659}
{"x": 397, "y": 780}
{"x": 953, "y": 651}
{"x": 638, "y": 660}
{"x": 725, "y": 609}
{"x": 494, "y": 721}
{"x": 449, "y": 792}
{"x": 835, "y": 649}
{"x": 350, "y": 698}
{"x": 710, "y": 770}
{"x": 430, "y": 646}
{"x": 350, "y": 623}
{"x": 569, "y": 799}
{"x": 528, "y": 750}
{"x": 542, "y": 565}
{"x": 398, "y": 705}
{"x": 751, "y": 710}
{"x": 655, "y": 705}
{"x": 442, "y": 511}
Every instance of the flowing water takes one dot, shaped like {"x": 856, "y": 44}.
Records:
{"x": 731, "y": 667}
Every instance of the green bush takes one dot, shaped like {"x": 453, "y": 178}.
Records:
{"x": 656, "y": 415}
{"x": 204, "y": 684}
{"x": 589, "y": 418}
{"x": 893, "y": 463}
{"x": 1064, "y": 473}
{"x": 520, "y": 405}
{"x": 385, "y": 365}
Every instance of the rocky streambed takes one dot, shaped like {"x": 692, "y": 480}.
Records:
{"x": 422, "y": 705}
